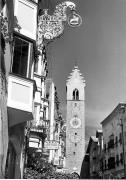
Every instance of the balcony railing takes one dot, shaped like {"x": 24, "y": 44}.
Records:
{"x": 20, "y": 99}
{"x": 38, "y": 128}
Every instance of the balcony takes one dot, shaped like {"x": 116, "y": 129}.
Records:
{"x": 20, "y": 99}
{"x": 38, "y": 128}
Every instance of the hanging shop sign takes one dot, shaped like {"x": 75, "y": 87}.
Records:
{"x": 56, "y": 161}
{"x": 51, "y": 145}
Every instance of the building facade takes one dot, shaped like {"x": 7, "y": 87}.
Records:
{"x": 94, "y": 152}
{"x": 3, "y": 90}
{"x": 45, "y": 131}
{"x": 75, "y": 123}
{"x": 39, "y": 123}
{"x": 56, "y": 155}
{"x": 114, "y": 138}
{"x": 23, "y": 70}
{"x": 19, "y": 55}
{"x": 85, "y": 168}
{"x": 99, "y": 165}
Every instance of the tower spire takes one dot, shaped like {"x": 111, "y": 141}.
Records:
{"x": 75, "y": 74}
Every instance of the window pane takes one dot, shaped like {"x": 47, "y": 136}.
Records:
{"x": 36, "y": 66}
{"x": 76, "y": 94}
{"x": 20, "y": 58}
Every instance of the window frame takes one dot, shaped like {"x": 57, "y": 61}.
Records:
{"x": 76, "y": 94}
{"x": 32, "y": 5}
{"x": 29, "y": 57}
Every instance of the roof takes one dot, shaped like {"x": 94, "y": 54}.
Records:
{"x": 92, "y": 139}
{"x": 117, "y": 109}
{"x": 99, "y": 131}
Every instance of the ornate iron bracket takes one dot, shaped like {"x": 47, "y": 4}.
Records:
{"x": 51, "y": 26}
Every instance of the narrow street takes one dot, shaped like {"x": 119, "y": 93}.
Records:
{"x": 63, "y": 89}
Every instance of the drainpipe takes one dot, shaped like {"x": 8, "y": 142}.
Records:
{"x": 123, "y": 143}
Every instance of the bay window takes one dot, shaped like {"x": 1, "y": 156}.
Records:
{"x": 22, "y": 55}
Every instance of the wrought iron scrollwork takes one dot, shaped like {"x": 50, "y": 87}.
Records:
{"x": 51, "y": 26}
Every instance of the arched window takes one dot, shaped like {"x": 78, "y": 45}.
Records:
{"x": 76, "y": 94}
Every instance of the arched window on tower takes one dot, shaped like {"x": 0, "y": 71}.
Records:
{"x": 75, "y": 94}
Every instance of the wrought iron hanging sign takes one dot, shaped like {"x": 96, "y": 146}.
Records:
{"x": 51, "y": 26}
{"x": 74, "y": 19}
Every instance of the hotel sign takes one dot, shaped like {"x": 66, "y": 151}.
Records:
{"x": 51, "y": 145}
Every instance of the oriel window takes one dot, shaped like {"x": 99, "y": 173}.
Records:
{"x": 21, "y": 57}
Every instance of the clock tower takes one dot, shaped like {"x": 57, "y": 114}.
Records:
{"x": 75, "y": 121}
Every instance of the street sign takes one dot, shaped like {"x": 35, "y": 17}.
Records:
{"x": 51, "y": 145}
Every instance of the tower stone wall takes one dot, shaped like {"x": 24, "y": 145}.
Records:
{"x": 75, "y": 131}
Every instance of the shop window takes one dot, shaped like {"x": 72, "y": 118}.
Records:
{"x": 21, "y": 57}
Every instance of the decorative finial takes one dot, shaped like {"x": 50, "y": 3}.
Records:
{"x": 76, "y": 64}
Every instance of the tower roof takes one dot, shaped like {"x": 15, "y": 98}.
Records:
{"x": 75, "y": 74}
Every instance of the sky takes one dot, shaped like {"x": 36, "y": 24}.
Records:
{"x": 99, "y": 47}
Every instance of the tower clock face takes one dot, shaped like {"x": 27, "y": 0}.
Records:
{"x": 75, "y": 122}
